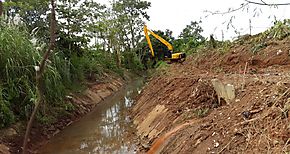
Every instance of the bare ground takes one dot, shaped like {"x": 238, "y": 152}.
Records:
{"x": 179, "y": 112}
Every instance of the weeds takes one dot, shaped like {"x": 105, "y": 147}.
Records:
{"x": 131, "y": 61}
{"x": 202, "y": 112}
{"x": 224, "y": 47}
{"x": 18, "y": 58}
{"x": 280, "y": 30}
{"x": 257, "y": 47}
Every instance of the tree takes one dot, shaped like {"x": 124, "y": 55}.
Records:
{"x": 80, "y": 23}
{"x": 190, "y": 37}
{"x": 70, "y": 27}
{"x": 159, "y": 48}
{"x": 130, "y": 15}
{"x": 192, "y": 32}
{"x": 32, "y": 13}
{"x": 39, "y": 75}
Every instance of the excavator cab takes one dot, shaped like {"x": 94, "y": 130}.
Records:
{"x": 168, "y": 55}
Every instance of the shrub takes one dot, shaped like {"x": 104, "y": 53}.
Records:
{"x": 6, "y": 115}
{"x": 18, "y": 57}
{"x": 131, "y": 61}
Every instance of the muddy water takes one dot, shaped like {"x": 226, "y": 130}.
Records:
{"x": 107, "y": 129}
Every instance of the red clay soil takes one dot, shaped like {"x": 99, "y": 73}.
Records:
{"x": 189, "y": 119}
{"x": 83, "y": 102}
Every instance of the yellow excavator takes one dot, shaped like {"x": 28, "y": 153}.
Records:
{"x": 169, "y": 55}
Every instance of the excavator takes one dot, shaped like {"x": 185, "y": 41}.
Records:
{"x": 169, "y": 55}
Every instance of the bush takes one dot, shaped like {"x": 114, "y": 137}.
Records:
{"x": 18, "y": 57}
{"x": 92, "y": 64}
{"x": 131, "y": 61}
{"x": 6, "y": 115}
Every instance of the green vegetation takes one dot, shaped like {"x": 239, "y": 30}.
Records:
{"x": 190, "y": 38}
{"x": 202, "y": 112}
{"x": 17, "y": 61}
{"x": 189, "y": 41}
{"x": 279, "y": 31}
{"x": 18, "y": 72}
{"x": 92, "y": 39}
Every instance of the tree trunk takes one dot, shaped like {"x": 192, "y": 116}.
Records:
{"x": 1, "y": 8}
{"x": 39, "y": 75}
{"x": 132, "y": 34}
{"x": 118, "y": 55}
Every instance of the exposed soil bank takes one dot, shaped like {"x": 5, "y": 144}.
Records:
{"x": 179, "y": 111}
{"x": 11, "y": 139}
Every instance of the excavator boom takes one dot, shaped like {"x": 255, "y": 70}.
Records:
{"x": 146, "y": 31}
{"x": 173, "y": 56}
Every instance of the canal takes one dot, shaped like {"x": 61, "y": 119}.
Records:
{"x": 107, "y": 129}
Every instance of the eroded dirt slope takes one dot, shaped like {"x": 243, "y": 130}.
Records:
{"x": 179, "y": 112}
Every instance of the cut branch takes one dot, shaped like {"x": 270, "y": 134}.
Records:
{"x": 39, "y": 75}
{"x": 264, "y": 3}
{"x": 231, "y": 10}
{"x": 244, "y": 5}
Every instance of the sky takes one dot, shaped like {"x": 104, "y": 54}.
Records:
{"x": 176, "y": 14}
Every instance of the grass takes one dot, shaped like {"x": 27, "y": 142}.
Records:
{"x": 202, "y": 112}
{"x": 18, "y": 58}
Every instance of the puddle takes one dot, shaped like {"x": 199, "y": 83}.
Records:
{"x": 107, "y": 129}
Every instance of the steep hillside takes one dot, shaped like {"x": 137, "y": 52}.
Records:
{"x": 179, "y": 110}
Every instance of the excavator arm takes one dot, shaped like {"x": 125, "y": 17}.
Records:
{"x": 146, "y": 31}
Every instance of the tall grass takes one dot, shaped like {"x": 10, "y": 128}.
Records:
{"x": 18, "y": 58}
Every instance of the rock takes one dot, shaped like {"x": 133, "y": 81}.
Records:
{"x": 227, "y": 92}
{"x": 10, "y": 132}
{"x": 279, "y": 52}
{"x": 216, "y": 144}
{"x": 237, "y": 100}
{"x": 246, "y": 115}
{"x": 145, "y": 145}
{"x": 4, "y": 149}
{"x": 275, "y": 142}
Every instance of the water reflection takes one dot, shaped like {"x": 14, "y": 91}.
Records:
{"x": 108, "y": 129}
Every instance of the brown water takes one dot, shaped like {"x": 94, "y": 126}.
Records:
{"x": 107, "y": 129}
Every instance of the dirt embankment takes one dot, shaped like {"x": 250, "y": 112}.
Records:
{"x": 179, "y": 111}
{"x": 11, "y": 139}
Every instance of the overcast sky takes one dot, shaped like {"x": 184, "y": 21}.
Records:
{"x": 176, "y": 14}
